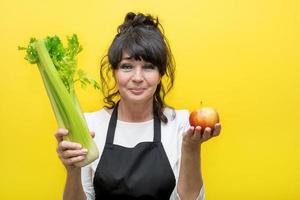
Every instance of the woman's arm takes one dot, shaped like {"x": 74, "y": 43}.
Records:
{"x": 70, "y": 153}
{"x": 190, "y": 177}
{"x": 73, "y": 188}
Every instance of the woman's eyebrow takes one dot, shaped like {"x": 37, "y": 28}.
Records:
{"x": 127, "y": 58}
{"x": 148, "y": 64}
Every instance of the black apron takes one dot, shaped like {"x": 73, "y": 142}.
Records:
{"x": 142, "y": 172}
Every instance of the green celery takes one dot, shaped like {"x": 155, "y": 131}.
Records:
{"x": 57, "y": 66}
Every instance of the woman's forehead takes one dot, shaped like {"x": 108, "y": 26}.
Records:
{"x": 126, "y": 55}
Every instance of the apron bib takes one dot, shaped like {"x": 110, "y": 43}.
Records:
{"x": 142, "y": 172}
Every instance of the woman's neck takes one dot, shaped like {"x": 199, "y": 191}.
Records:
{"x": 135, "y": 112}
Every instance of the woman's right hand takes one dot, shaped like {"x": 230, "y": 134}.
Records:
{"x": 68, "y": 152}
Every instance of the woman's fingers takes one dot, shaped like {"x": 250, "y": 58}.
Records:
{"x": 197, "y": 133}
{"x": 60, "y": 133}
{"x": 190, "y": 131}
{"x": 92, "y": 134}
{"x": 73, "y": 153}
{"x": 206, "y": 134}
{"x": 69, "y": 152}
{"x": 217, "y": 130}
{"x": 187, "y": 136}
{"x": 65, "y": 145}
{"x": 73, "y": 160}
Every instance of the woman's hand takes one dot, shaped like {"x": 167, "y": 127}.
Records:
{"x": 194, "y": 137}
{"x": 190, "y": 176}
{"x": 68, "y": 152}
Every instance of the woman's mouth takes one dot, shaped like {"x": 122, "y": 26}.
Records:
{"x": 136, "y": 91}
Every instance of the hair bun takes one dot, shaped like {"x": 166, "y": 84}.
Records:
{"x": 140, "y": 19}
{"x": 129, "y": 17}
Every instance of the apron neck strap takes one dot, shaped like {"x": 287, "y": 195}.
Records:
{"x": 113, "y": 124}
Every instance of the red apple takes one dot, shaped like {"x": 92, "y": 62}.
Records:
{"x": 204, "y": 117}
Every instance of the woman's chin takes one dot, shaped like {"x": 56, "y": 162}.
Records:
{"x": 138, "y": 98}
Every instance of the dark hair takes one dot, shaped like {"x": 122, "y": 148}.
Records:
{"x": 142, "y": 37}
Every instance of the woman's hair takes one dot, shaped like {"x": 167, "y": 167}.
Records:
{"x": 142, "y": 37}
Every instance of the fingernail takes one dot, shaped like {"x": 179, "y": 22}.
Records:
{"x": 65, "y": 131}
{"x": 84, "y": 150}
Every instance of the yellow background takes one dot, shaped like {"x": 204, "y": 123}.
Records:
{"x": 239, "y": 56}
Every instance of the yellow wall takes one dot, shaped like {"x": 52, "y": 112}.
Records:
{"x": 240, "y": 56}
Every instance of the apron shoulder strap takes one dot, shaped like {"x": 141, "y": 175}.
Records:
{"x": 112, "y": 125}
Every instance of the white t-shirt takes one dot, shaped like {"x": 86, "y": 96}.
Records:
{"x": 129, "y": 134}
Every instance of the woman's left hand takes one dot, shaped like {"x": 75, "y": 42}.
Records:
{"x": 194, "y": 136}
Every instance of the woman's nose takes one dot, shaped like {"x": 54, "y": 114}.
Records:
{"x": 138, "y": 75}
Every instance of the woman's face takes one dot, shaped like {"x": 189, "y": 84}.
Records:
{"x": 136, "y": 79}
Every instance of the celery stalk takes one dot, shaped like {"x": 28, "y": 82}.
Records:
{"x": 59, "y": 119}
{"x": 57, "y": 66}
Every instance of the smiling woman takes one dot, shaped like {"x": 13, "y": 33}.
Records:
{"x": 147, "y": 149}
{"x": 139, "y": 39}
{"x": 136, "y": 80}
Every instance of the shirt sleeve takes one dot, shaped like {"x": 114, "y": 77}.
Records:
{"x": 87, "y": 174}
{"x": 183, "y": 127}
{"x": 87, "y": 182}
{"x": 201, "y": 195}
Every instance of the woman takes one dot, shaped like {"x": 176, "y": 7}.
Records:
{"x": 147, "y": 150}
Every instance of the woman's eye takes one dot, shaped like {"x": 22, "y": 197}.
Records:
{"x": 126, "y": 67}
{"x": 149, "y": 67}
